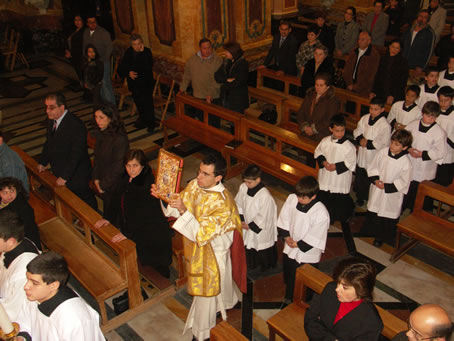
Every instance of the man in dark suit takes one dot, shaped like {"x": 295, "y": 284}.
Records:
{"x": 66, "y": 149}
{"x": 282, "y": 55}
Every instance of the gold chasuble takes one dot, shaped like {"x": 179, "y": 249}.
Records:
{"x": 216, "y": 213}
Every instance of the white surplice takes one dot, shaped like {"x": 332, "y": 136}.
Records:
{"x": 260, "y": 209}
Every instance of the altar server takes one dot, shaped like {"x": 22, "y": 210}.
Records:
{"x": 336, "y": 157}
{"x": 258, "y": 214}
{"x": 17, "y": 252}
{"x": 429, "y": 88}
{"x": 372, "y": 133}
{"x": 445, "y": 171}
{"x": 428, "y": 149}
{"x": 303, "y": 223}
{"x": 403, "y": 112}
{"x": 446, "y": 77}
{"x": 55, "y": 312}
{"x": 390, "y": 175}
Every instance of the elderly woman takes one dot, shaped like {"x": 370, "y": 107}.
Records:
{"x": 347, "y": 33}
{"x": 344, "y": 311}
{"x": 392, "y": 75}
{"x": 110, "y": 149}
{"x": 306, "y": 50}
{"x": 320, "y": 63}
{"x": 319, "y": 105}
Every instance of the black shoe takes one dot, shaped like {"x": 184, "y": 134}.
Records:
{"x": 378, "y": 242}
{"x": 359, "y": 202}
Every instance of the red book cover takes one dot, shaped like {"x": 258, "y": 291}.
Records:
{"x": 168, "y": 177}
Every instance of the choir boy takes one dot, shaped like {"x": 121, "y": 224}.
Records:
{"x": 336, "y": 157}
{"x": 429, "y": 88}
{"x": 16, "y": 253}
{"x": 390, "y": 175}
{"x": 303, "y": 223}
{"x": 55, "y": 312}
{"x": 258, "y": 214}
{"x": 372, "y": 133}
{"x": 428, "y": 149}
{"x": 403, "y": 112}
{"x": 446, "y": 77}
{"x": 445, "y": 171}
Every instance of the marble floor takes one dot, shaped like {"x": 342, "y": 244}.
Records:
{"x": 421, "y": 276}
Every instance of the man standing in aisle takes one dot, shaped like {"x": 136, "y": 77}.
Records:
{"x": 208, "y": 218}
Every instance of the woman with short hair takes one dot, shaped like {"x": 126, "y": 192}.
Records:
{"x": 344, "y": 310}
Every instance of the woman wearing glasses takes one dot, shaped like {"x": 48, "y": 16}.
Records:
{"x": 344, "y": 311}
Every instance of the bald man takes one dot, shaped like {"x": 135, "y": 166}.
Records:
{"x": 427, "y": 322}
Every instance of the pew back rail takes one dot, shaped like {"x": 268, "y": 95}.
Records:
{"x": 435, "y": 231}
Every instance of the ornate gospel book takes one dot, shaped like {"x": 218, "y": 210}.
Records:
{"x": 168, "y": 177}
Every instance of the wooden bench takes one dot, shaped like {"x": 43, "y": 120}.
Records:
{"x": 262, "y": 96}
{"x": 101, "y": 264}
{"x": 422, "y": 226}
{"x": 225, "y": 332}
{"x": 289, "y": 322}
{"x": 270, "y": 147}
{"x": 201, "y": 131}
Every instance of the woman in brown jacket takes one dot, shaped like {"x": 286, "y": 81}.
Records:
{"x": 319, "y": 105}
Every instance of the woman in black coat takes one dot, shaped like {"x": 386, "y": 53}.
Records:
{"x": 110, "y": 150}
{"x": 74, "y": 47}
{"x": 344, "y": 311}
{"x": 392, "y": 75}
{"x": 142, "y": 219}
{"x": 233, "y": 74}
{"x": 14, "y": 198}
{"x": 321, "y": 63}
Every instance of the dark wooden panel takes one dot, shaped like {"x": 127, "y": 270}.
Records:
{"x": 289, "y": 3}
{"x": 255, "y": 10}
{"x": 214, "y": 15}
{"x": 164, "y": 22}
{"x": 125, "y": 20}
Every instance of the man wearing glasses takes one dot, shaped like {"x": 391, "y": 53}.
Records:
{"x": 208, "y": 218}
{"x": 65, "y": 149}
{"x": 427, "y": 322}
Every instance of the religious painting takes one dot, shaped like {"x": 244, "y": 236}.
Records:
{"x": 168, "y": 177}
{"x": 255, "y": 17}
{"x": 215, "y": 21}
{"x": 125, "y": 20}
{"x": 164, "y": 22}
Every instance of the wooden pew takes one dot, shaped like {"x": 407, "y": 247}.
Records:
{"x": 289, "y": 322}
{"x": 288, "y": 81}
{"x": 270, "y": 147}
{"x": 191, "y": 128}
{"x": 265, "y": 95}
{"x": 225, "y": 332}
{"x": 422, "y": 226}
{"x": 101, "y": 264}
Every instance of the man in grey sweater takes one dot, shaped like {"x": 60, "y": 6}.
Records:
{"x": 101, "y": 39}
{"x": 199, "y": 71}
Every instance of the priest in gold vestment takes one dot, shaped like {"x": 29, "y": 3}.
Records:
{"x": 207, "y": 218}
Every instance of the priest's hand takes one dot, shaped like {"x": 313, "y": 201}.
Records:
{"x": 380, "y": 184}
{"x": 177, "y": 202}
